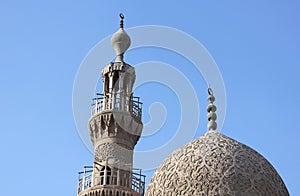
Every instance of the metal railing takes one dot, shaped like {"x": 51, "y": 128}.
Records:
{"x": 85, "y": 180}
{"x": 138, "y": 181}
{"x": 116, "y": 101}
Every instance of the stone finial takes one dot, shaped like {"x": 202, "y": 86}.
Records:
{"x": 120, "y": 41}
{"x": 211, "y": 109}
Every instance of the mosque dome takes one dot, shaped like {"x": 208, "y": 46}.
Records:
{"x": 215, "y": 164}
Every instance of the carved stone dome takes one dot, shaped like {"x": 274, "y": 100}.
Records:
{"x": 215, "y": 164}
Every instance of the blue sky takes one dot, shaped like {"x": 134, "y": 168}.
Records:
{"x": 255, "y": 44}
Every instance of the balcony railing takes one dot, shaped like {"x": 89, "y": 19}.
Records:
{"x": 138, "y": 181}
{"x": 85, "y": 180}
{"x": 116, "y": 102}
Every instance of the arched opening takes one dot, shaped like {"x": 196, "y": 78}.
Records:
{"x": 116, "y": 81}
{"x": 108, "y": 175}
{"x": 106, "y": 84}
{"x": 105, "y": 172}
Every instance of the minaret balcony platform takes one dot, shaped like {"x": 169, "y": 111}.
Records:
{"x": 110, "y": 182}
{"x": 117, "y": 102}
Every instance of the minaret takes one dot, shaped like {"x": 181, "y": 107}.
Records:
{"x": 115, "y": 127}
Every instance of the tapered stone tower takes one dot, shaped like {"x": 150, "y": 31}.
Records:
{"x": 115, "y": 127}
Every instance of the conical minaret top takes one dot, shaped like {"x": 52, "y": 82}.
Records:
{"x": 120, "y": 41}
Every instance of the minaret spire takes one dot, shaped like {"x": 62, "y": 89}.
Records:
{"x": 211, "y": 109}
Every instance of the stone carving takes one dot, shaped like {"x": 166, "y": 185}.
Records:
{"x": 117, "y": 125}
{"x": 115, "y": 154}
{"x": 216, "y": 165}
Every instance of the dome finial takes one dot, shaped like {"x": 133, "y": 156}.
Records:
{"x": 120, "y": 41}
{"x": 211, "y": 108}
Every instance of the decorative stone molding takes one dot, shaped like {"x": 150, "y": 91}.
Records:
{"x": 118, "y": 125}
{"x": 108, "y": 191}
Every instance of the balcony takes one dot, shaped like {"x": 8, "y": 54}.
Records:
{"x": 85, "y": 180}
{"x": 118, "y": 103}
